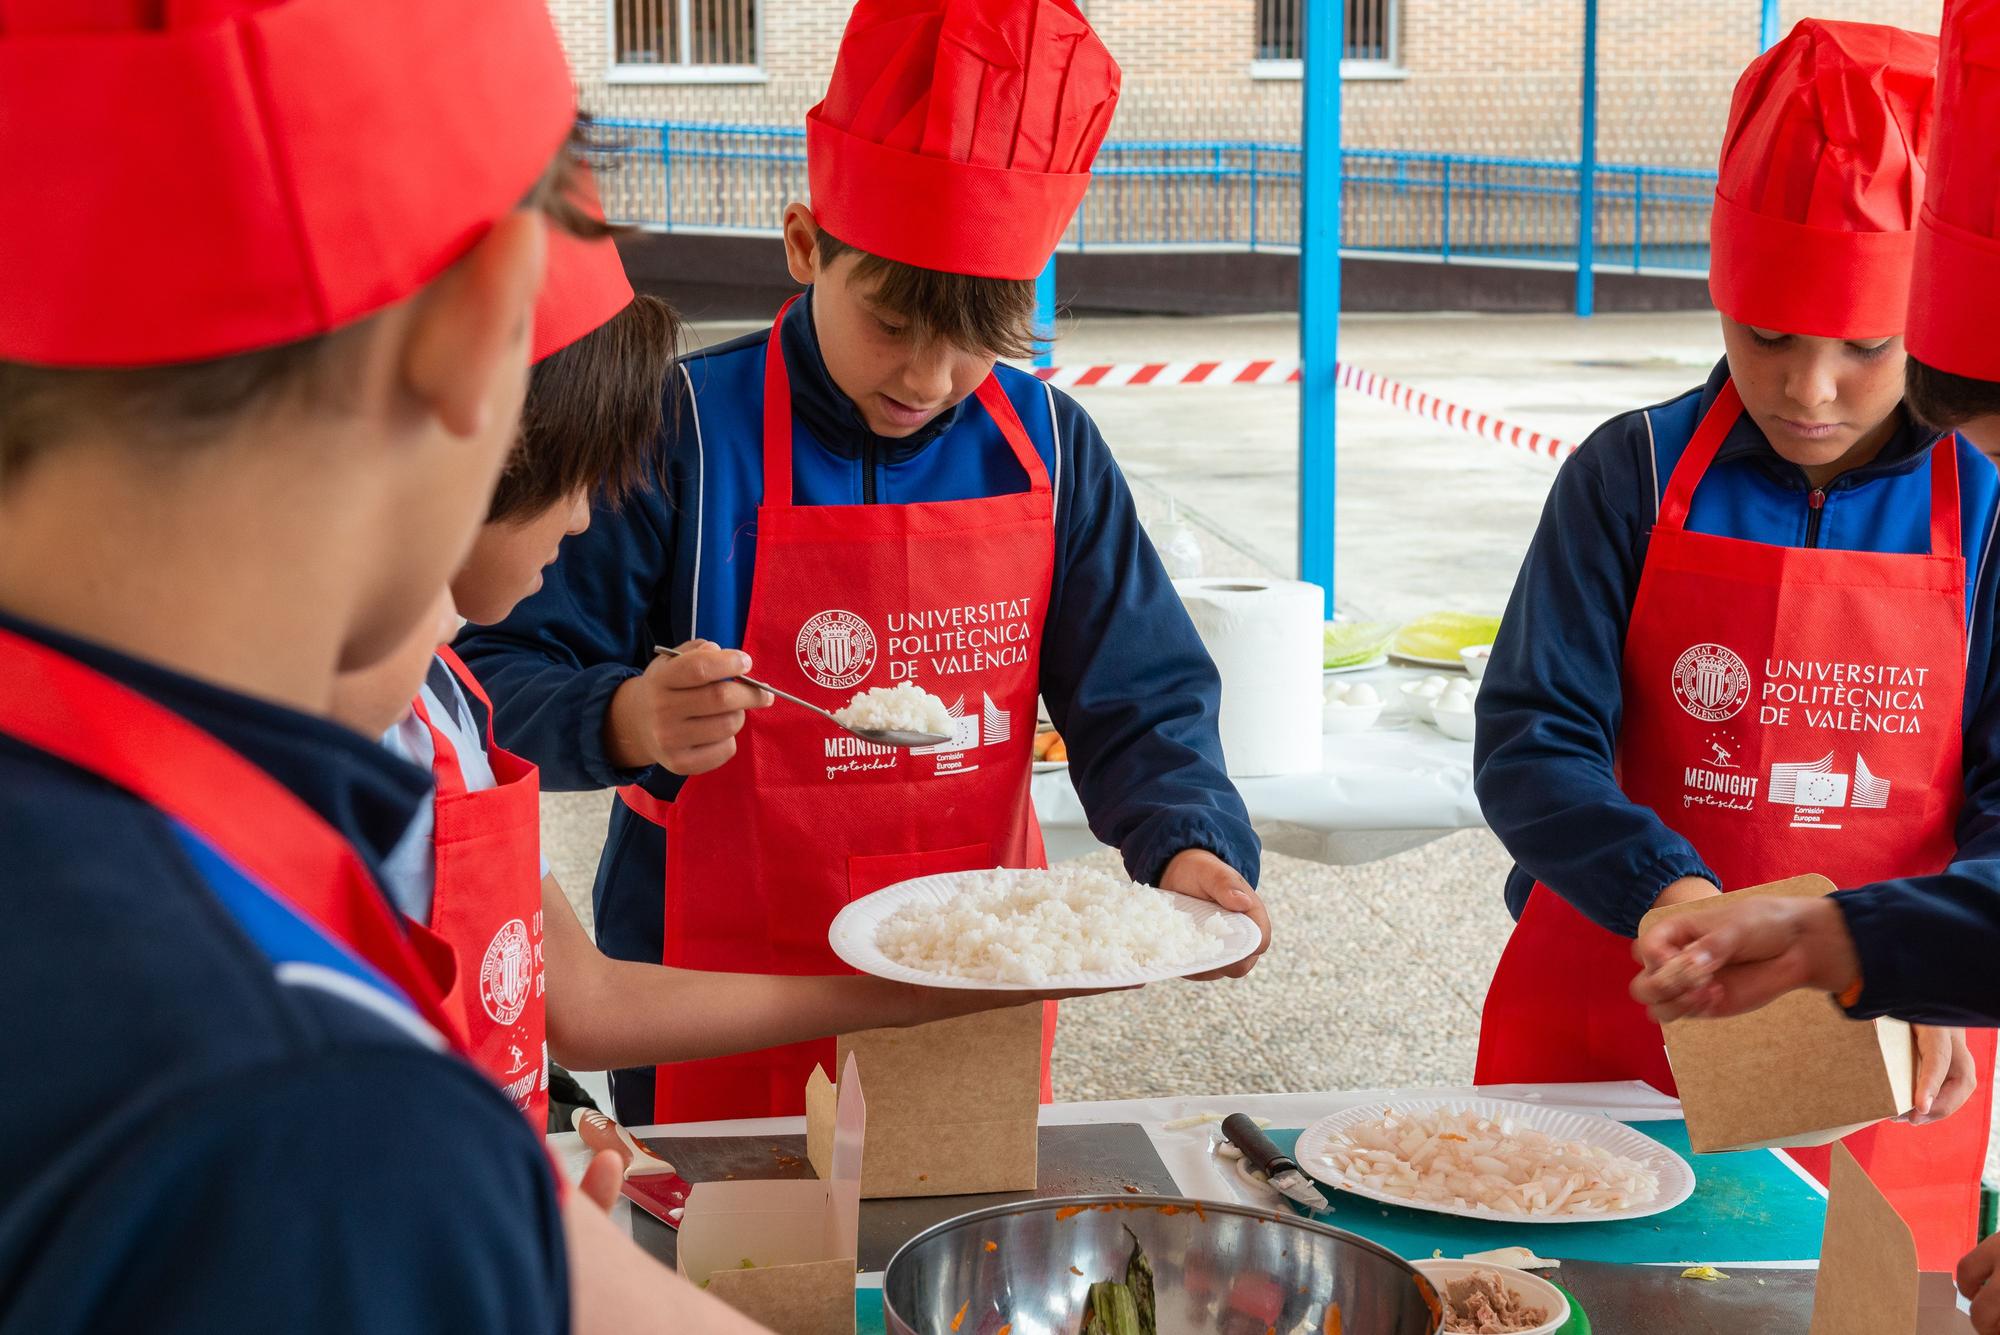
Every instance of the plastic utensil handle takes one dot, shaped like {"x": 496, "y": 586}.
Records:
{"x": 762, "y": 686}
{"x": 1247, "y": 1136}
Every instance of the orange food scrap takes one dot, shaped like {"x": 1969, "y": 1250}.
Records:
{"x": 1333, "y": 1319}
{"x": 1004, "y": 1329}
{"x": 1450, "y": 1135}
{"x": 1069, "y": 1210}
{"x": 1133, "y": 1190}
{"x": 959, "y": 1320}
{"x": 992, "y": 1246}
{"x": 1074, "y": 1271}
{"x": 923, "y": 1177}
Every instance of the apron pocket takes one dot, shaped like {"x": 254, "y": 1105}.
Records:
{"x": 867, "y": 873}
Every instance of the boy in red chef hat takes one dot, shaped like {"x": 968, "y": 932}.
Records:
{"x": 1754, "y": 635}
{"x": 262, "y": 352}
{"x": 470, "y": 868}
{"x": 861, "y": 498}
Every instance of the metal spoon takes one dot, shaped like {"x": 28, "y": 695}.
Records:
{"x": 878, "y": 736}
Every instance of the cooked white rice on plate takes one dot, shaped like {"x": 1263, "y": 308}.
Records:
{"x": 1015, "y": 927}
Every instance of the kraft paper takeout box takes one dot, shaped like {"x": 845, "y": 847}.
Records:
{"x": 800, "y": 1236}
{"x": 956, "y": 1105}
{"x": 1798, "y": 1072}
{"x": 1868, "y": 1281}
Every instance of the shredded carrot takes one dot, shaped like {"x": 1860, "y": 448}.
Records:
{"x": 1004, "y": 1329}
{"x": 1074, "y": 1271}
{"x": 959, "y": 1320}
{"x": 1068, "y": 1210}
{"x": 992, "y": 1246}
{"x": 1333, "y": 1324}
{"x": 1450, "y": 1135}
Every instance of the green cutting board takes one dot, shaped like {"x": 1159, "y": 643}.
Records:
{"x": 1745, "y": 1207}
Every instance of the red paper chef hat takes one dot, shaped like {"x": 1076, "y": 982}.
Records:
{"x": 194, "y": 178}
{"x": 585, "y": 286}
{"x": 1957, "y": 267}
{"x": 958, "y": 134}
{"x": 1821, "y": 175}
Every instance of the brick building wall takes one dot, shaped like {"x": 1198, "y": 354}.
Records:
{"x": 1474, "y": 76}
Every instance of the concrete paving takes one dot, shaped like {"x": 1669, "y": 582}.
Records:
{"x": 1379, "y": 970}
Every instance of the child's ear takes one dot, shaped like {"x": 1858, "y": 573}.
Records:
{"x": 802, "y": 244}
{"x": 471, "y": 325}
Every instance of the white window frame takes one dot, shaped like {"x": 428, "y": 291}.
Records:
{"x": 637, "y": 73}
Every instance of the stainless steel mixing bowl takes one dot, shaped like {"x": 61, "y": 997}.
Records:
{"x": 1227, "y": 1269}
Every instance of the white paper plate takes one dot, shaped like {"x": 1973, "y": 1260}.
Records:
{"x": 1676, "y": 1176}
{"x": 852, "y": 936}
{"x": 1369, "y": 666}
{"x": 1050, "y": 766}
{"x": 1443, "y": 664}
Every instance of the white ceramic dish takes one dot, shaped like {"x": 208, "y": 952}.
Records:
{"x": 1050, "y": 766}
{"x": 1676, "y": 1176}
{"x": 1341, "y": 720}
{"x": 1369, "y": 666}
{"x": 1457, "y": 724}
{"x": 1474, "y": 659}
{"x": 1416, "y": 703}
{"x": 852, "y": 936}
{"x": 1529, "y": 1288}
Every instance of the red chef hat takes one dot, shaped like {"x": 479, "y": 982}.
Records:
{"x": 958, "y": 134}
{"x": 1957, "y": 267}
{"x": 1821, "y": 175}
{"x": 195, "y": 178}
{"x": 585, "y": 286}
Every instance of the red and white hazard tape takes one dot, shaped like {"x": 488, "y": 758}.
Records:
{"x": 1272, "y": 372}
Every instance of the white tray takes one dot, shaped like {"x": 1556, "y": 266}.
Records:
{"x": 852, "y": 936}
{"x": 1676, "y": 1175}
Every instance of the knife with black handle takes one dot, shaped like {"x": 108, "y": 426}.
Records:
{"x": 1268, "y": 1159}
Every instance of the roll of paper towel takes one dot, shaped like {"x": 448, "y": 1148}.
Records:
{"x": 1265, "y": 638}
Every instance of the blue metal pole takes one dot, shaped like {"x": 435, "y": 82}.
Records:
{"x": 1045, "y": 314}
{"x": 1767, "y": 28}
{"x": 1319, "y": 291}
{"x": 1586, "y": 185}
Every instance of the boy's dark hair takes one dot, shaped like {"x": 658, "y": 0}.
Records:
{"x": 995, "y": 316}
{"x": 40, "y": 405}
{"x": 1943, "y": 400}
{"x": 593, "y": 415}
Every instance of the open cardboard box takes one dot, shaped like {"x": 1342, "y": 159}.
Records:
{"x": 783, "y": 1253}
{"x": 1868, "y": 1280}
{"x": 1798, "y": 1072}
{"x": 956, "y": 1105}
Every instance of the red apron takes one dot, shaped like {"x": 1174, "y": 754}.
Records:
{"x": 59, "y": 706}
{"x": 488, "y": 905}
{"x": 1747, "y": 731}
{"x": 762, "y": 852}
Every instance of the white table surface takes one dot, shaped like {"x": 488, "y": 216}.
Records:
{"x": 1395, "y": 787}
{"x": 1189, "y": 1152}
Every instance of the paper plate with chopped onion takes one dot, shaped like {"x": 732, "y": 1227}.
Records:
{"x": 1036, "y": 931}
{"x": 1495, "y": 1159}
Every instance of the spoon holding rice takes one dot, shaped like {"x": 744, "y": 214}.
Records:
{"x": 897, "y": 737}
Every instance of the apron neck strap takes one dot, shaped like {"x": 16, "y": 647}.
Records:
{"x": 778, "y": 422}
{"x": 59, "y": 706}
{"x": 445, "y": 766}
{"x": 1723, "y": 414}
{"x": 1698, "y": 455}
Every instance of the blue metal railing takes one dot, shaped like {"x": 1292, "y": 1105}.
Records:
{"x": 1221, "y": 194}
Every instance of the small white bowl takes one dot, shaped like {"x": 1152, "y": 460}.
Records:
{"x": 1419, "y": 701}
{"x": 1532, "y": 1289}
{"x": 1339, "y": 718}
{"x": 1474, "y": 658}
{"x": 1457, "y": 724}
